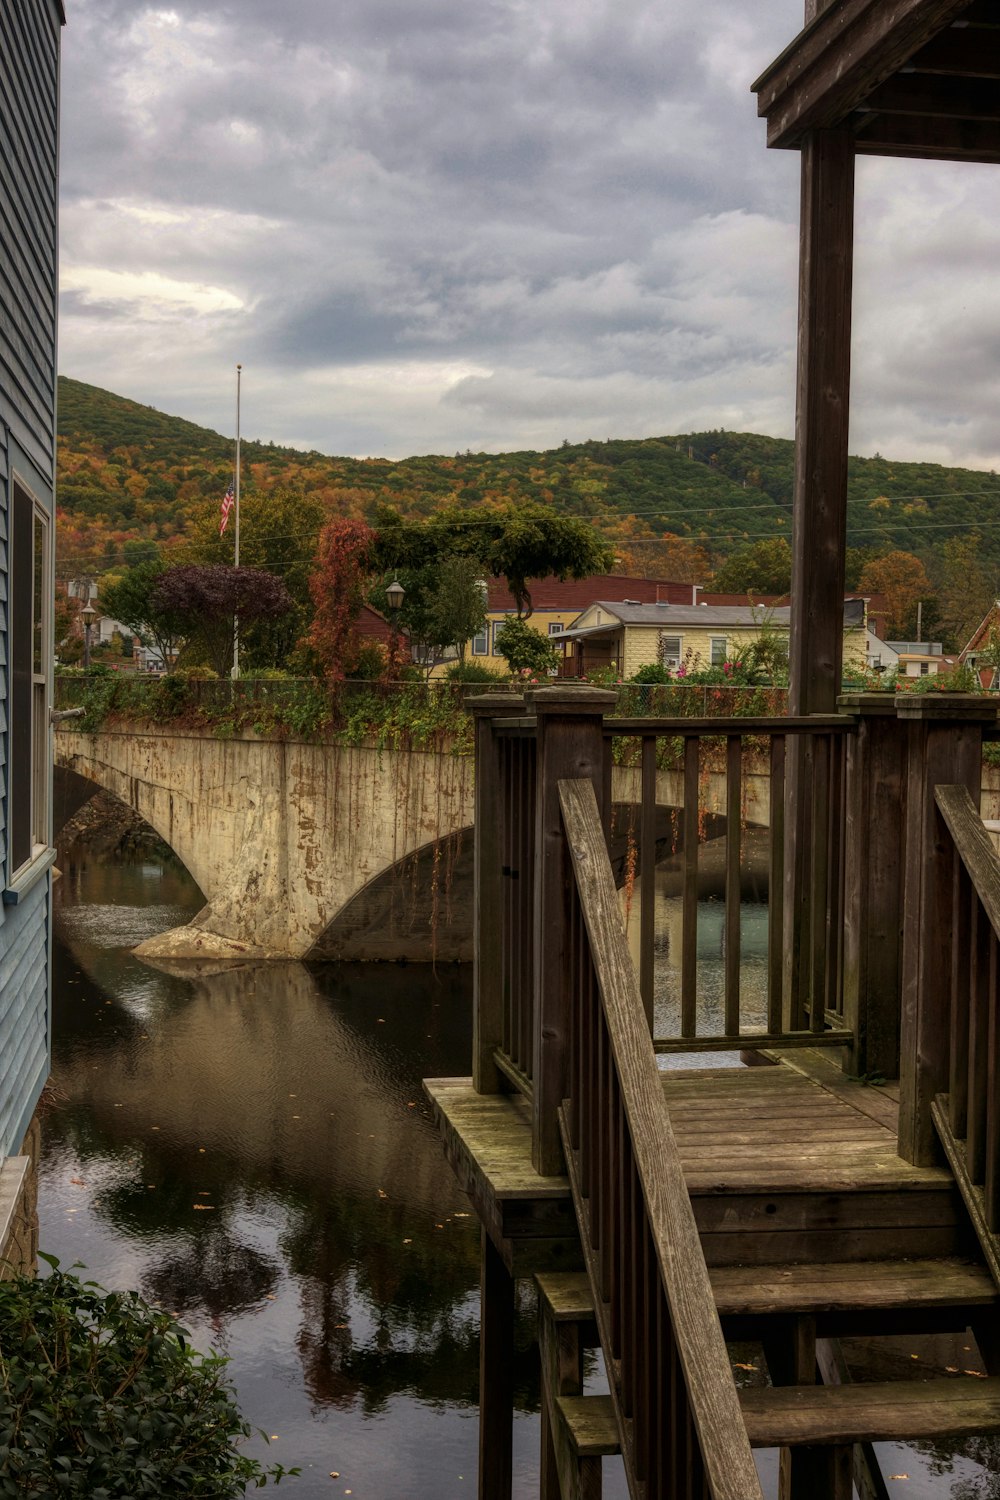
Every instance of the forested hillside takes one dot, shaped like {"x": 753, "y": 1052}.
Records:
{"x": 134, "y": 481}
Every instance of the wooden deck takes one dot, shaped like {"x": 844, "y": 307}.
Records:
{"x": 784, "y": 1164}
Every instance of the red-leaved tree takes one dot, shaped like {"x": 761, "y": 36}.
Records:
{"x": 213, "y": 598}
{"x": 343, "y": 567}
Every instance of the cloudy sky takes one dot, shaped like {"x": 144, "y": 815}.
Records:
{"x": 431, "y": 225}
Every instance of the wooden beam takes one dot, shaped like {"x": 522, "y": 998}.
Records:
{"x": 819, "y": 515}
{"x": 936, "y": 98}
{"x": 960, "y": 52}
{"x": 929, "y": 139}
{"x": 839, "y": 58}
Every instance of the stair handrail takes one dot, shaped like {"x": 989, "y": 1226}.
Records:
{"x": 969, "y": 1117}
{"x": 672, "y": 1382}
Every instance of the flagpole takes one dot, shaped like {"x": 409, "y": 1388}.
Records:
{"x": 236, "y": 496}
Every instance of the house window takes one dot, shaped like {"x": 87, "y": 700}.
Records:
{"x": 924, "y": 668}
{"x": 481, "y": 641}
{"x": 498, "y": 625}
{"x": 29, "y": 648}
{"x": 554, "y": 627}
{"x": 718, "y": 650}
{"x": 670, "y": 650}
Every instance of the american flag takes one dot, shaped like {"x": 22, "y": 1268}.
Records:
{"x": 228, "y": 501}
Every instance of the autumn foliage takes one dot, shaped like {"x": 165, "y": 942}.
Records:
{"x": 343, "y": 565}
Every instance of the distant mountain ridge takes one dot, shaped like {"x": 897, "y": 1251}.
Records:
{"x": 129, "y": 473}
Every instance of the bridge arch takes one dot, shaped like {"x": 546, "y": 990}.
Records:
{"x": 328, "y": 851}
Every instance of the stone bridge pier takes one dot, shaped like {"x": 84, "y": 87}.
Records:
{"x": 300, "y": 850}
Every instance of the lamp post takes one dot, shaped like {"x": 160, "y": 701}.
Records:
{"x": 394, "y": 595}
{"x": 88, "y": 615}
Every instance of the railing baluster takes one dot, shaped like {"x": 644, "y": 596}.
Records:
{"x": 961, "y": 924}
{"x": 509, "y": 947}
{"x": 647, "y": 875}
{"x": 819, "y": 901}
{"x": 616, "y": 1210}
{"x": 689, "y": 926}
{"x": 975, "y": 1144}
{"x": 524, "y": 859}
{"x": 776, "y": 885}
{"x": 835, "y": 890}
{"x": 734, "y": 810}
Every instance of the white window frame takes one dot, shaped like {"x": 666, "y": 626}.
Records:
{"x": 34, "y": 766}
{"x": 667, "y": 657}
{"x": 713, "y": 643}
{"x": 481, "y": 641}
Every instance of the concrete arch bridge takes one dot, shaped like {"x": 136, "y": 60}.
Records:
{"x": 319, "y": 851}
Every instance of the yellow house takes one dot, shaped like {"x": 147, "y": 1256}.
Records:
{"x": 685, "y": 637}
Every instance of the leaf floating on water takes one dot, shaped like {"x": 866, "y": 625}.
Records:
{"x": 78, "y": 1182}
{"x": 204, "y": 1207}
{"x": 382, "y": 1194}
{"x": 744, "y": 1367}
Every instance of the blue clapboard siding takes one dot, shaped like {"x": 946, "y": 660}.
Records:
{"x": 24, "y": 1012}
{"x": 29, "y": 80}
{"x": 29, "y": 92}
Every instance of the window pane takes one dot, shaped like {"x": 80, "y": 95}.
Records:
{"x": 38, "y": 599}
{"x": 671, "y": 645}
{"x": 19, "y": 647}
{"x": 718, "y": 650}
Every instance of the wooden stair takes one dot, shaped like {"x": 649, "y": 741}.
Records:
{"x": 771, "y": 1303}
{"x": 895, "y": 1411}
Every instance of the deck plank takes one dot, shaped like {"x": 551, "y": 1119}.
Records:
{"x": 903, "y": 1411}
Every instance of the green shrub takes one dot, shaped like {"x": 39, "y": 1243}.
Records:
{"x": 653, "y": 672}
{"x": 102, "y": 1398}
{"x": 474, "y": 671}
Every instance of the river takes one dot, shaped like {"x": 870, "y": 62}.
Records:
{"x": 250, "y": 1149}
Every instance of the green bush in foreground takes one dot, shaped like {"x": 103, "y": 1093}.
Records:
{"x": 101, "y": 1396}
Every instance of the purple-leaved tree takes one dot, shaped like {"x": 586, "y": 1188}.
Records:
{"x": 213, "y": 597}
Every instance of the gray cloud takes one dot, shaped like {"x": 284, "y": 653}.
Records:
{"x": 424, "y": 225}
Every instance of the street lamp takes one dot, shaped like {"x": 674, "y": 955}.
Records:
{"x": 394, "y": 595}
{"x": 88, "y": 615}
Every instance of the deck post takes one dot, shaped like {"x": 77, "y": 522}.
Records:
{"x": 873, "y": 915}
{"x": 570, "y": 745}
{"x": 944, "y": 747}
{"x": 496, "y": 1374}
{"x": 487, "y": 969}
{"x": 819, "y": 517}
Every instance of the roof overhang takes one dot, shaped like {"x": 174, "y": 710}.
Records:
{"x": 905, "y": 77}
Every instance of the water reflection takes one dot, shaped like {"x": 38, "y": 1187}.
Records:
{"x": 250, "y": 1147}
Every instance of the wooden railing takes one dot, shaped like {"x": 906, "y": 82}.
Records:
{"x": 659, "y": 779}
{"x": 671, "y": 1381}
{"x": 804, "y": 1000}
{"x": 969, "y": 1118}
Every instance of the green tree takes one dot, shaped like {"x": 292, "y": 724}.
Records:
{"x": 523, "y": 648}
{"x": 130, "y": 598}
{"x": 519, "y": 543}
{"x": 279, "y": 533}
{"x": 458, "y": 603}
{"x": 764, "y": 568}
{"x": 966, "y": 588}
